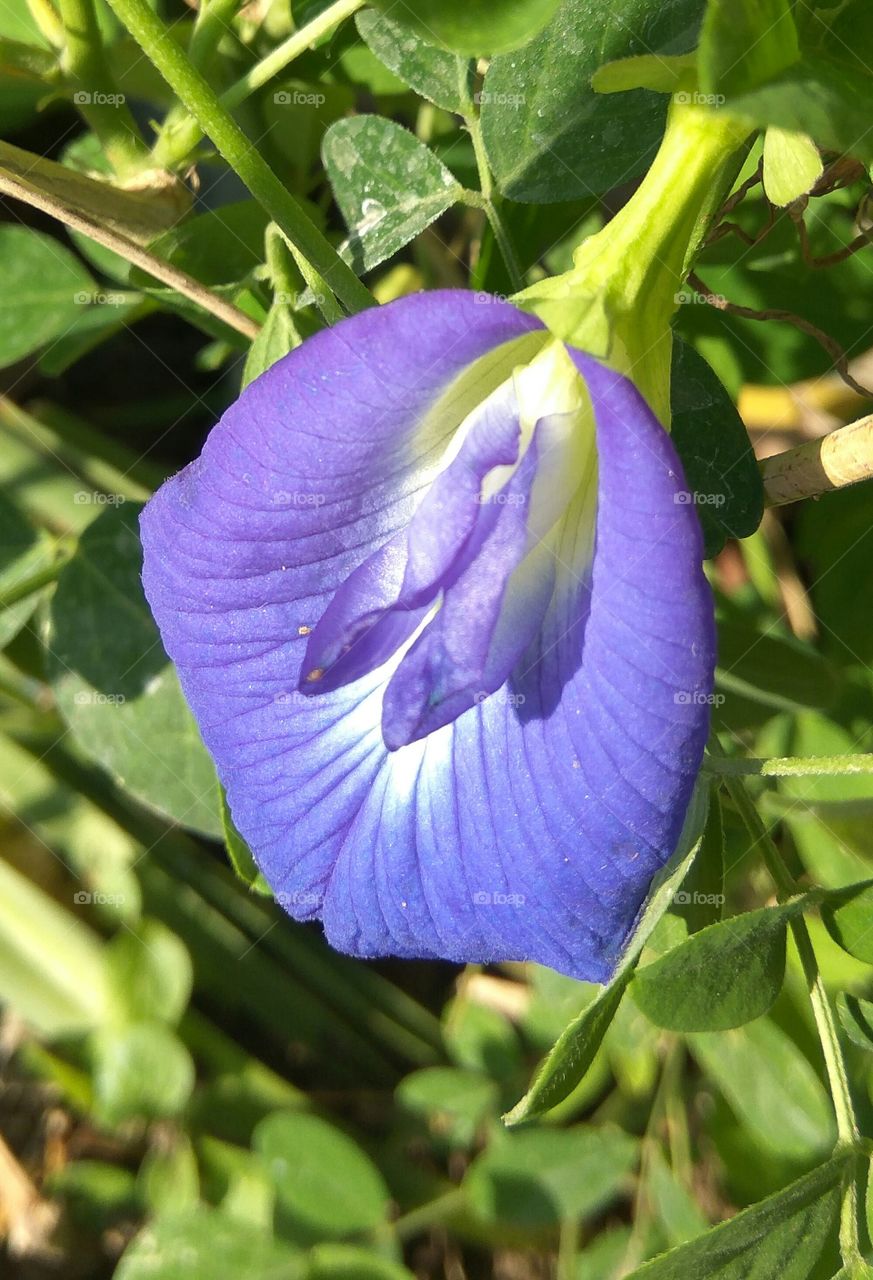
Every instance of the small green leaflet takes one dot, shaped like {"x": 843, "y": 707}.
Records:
{"x": 721, "y": 977}
{"x": 473, "y": 27}
{"x": 45, "y": 291}
{"x": 388, "y": 185}
{"x": 432, "y": 72}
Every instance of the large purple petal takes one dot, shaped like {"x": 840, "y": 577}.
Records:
{"x": 529, "y": 827}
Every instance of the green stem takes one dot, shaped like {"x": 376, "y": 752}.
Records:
{"x": 40, "y": 577}
{"x": 212, "y": 23}
{"x": 792, "y": 766}
{"x": 430, "y": 1214}
{"x": 203, "y": 103}
{"x": 95, "y": 92}
{"x": 490, "y": 201}
{"x": 847, "y": 1125}
{"x": 179, "y": 137}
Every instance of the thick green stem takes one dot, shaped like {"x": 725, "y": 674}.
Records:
{"x": 180, "y": 136}
{"x": 94, "y": 90}
{"x": 792, "y": 766}
{"x": 844, "y": 1110}
{"x": 239, "y": 152}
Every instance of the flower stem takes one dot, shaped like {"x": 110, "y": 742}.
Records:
{"x": 791, "y": 766}
{"x": 179, "y": 136}
{"x": 95, "y": 93}
{"x": 239, "y": 152}
{"x": 847, "y": 1125}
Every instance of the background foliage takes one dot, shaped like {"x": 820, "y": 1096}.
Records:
{"x": 194, "y": 1085}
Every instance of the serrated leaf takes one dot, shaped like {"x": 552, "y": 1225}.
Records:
{"x": 114, "y": 684}
{"x": 781, "y": 1236}
{"x": 432, "y": 72}
{"x": 474, "y": 27}
{"x": 725, "y": 975}
{"x": 45, "y": 289}
{"x": 548, "y": 134}
{"x": 572, "y": 1055}
{"x": 717, "y": 455}
{"x": 388, "y": 185}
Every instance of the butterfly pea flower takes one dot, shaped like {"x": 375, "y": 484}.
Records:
{"x": 434, "y": 593}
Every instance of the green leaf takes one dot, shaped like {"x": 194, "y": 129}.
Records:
{"x": 95, "y": 1194}
{"x": 701, "y": 899}
{"x": 239, "y": 854}
{"x": 548, "y": 135}
{"x": 453, "y": 1103}
{"x": 141, "y": 1071}
{"x": 221, "y": 247}
{"x": 347, "y": 1262}
{"x": 744, "y": 43}
{"x": 781, "y": 1236}
{"x": 540, "y": 1177}
{"x": 168, "y": 1180}
{"x": 792, "y": 165}
{"x": 474, "y": 26}
{"x": 325, "y": 1184}
{"x": 720, "y": 466}
{"x": 848, "y": 918}
{"x": 114, "y": 684}
{"x": 52, "y": 968}
{"x": 429, "y": 70}
{"x": 23, "y": 552}
{"x": 856, "y": 1016}
{"x": 203, "y": 1244}
{"x": 770, "y": 1086}
{"x": 388, "y": 185}
{"x": 721, "y": 977}
{"x": 821, "y": 96}
{"x": 277, "y": 336}
{"x": 574, "y": 1052}
{"x": 44, "y": 291}
{"x": 775, "y": 672}
{"x": 151, "y": 972}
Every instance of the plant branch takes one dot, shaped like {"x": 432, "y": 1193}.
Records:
{"x": 20, "y": 189}
{"x": 842, "y": 458}
{"x": 239, "y": 152}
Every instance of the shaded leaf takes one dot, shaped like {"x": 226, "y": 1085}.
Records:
{"x": 548, "y": 135}
{"x": 45, "y": 290}
{"x": 114, "y": 684}
{"x": 720, "y": 466}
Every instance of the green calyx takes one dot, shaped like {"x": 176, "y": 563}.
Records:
{"x": 618, "y": 299}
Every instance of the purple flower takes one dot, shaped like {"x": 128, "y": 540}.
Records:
{"x": 449, "y": 643}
